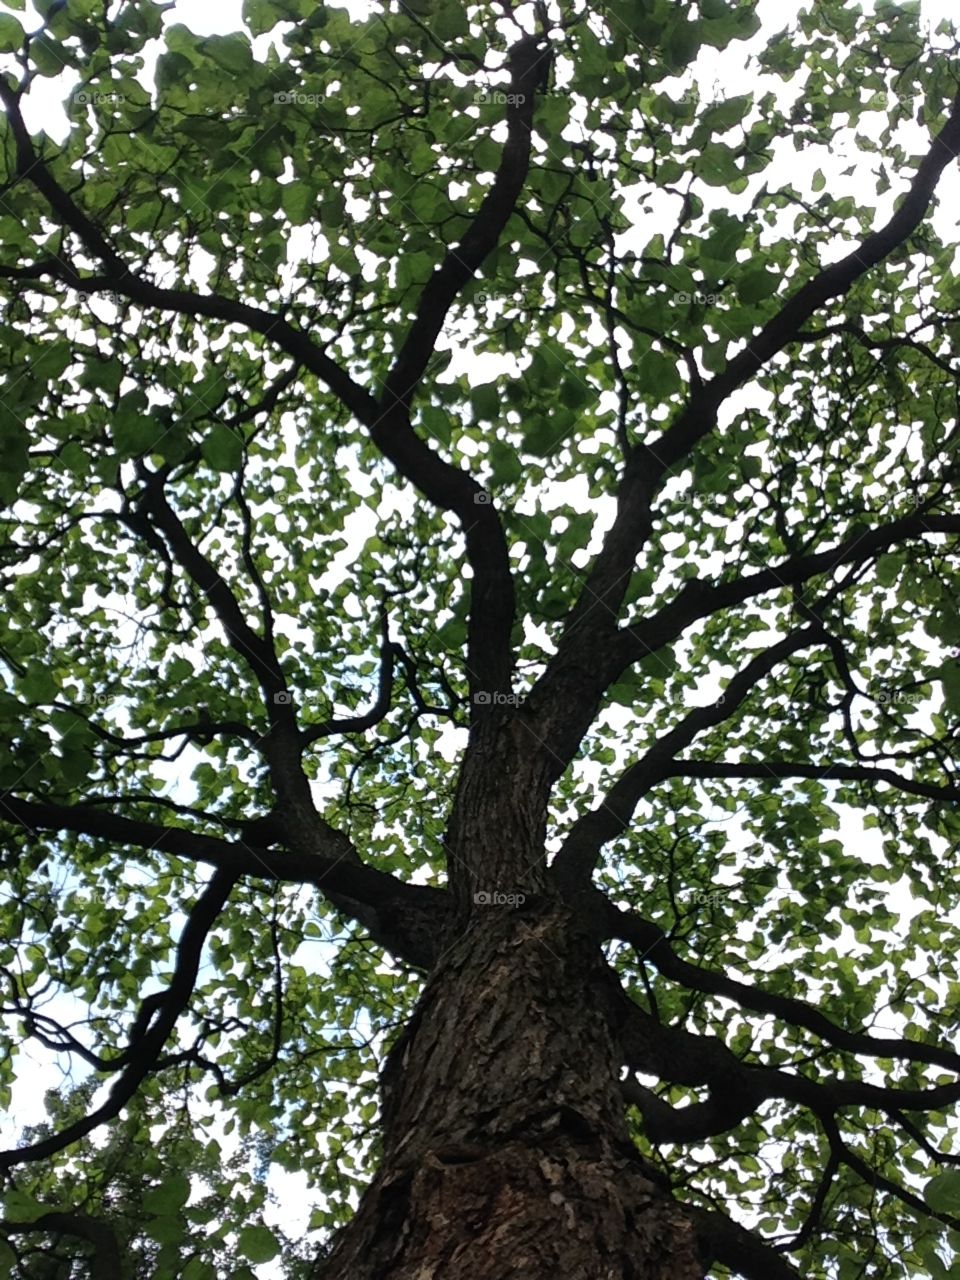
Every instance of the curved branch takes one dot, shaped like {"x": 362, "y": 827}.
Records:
{"x": 578, "y": 856}
{"x": 106, "y": 1263}
{"x": 725, "y": 1241}
{"x": 833, "y": 281}
{"x": 588, "y": 674}
{"x": 651, "y": 943}
{"x": 489, "y": 657}
{"x": 567, "y": 694}
{"x": 380, "y": 708}
{"x": 406, "y": 919}
{"x": 529, "y": 60}
{"x": 143, "y": 1056}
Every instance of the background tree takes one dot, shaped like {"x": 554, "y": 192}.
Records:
{"x": 480, "y": 566}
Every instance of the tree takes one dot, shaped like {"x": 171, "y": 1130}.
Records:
{"x": 479, "y": 674}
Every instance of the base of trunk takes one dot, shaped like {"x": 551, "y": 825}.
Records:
{"x": 506, "y": 1152}
{"x": 520, "y": 1212}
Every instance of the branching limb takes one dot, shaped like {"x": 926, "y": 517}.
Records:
{"x": 529, "y": 61}
{"x": 406, "y": 919}
{"x": 575, "y": 862}
{"x": 380, "y": 708}
{"x": 650, "y": 942}
{"x": 562, "y": 726}
{"x": 107, "y": 1258}
{"x": 162, "y": 1021}
{"x": 568, "y": 693}
{"x": 725, "y": 1241}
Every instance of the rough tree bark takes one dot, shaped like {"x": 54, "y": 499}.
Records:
{"x": 505, "y": 1147}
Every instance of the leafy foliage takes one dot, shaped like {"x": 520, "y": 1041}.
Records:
{"x": 217, "y": 541}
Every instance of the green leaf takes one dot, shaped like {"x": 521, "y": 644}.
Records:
{"x": 299, "y": 202}
{"x": 258, "y": 1244}
{"x": 52, "y": 360}
{"x": 39, "y": 684}
{"x": 658, "y": 374}
{"x": 333, "y": 210}
{"x": 485, "y": 400}
{"x": 888, "y": 569}
{"x": 172, "y": 1194}
{"x": 135, "y": 435}
{"x": 260, "y": 16}
{"x": 11, "y": 33}
{"x": 942, "y": 1193}
{"x": 757, "y": 285}
{"x": 222, "y": 448}
{"x": 23, "y": 1207}
{"x": 449, "y": 20}
{"x": 232, "y": 53}
{"x": 950, "y": 679}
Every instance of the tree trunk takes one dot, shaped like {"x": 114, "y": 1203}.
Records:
{"x": 505, "y": 1147}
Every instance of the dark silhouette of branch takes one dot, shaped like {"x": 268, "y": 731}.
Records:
{"x": 381, "y": 706}
{"x": 565, "y": 698}
{"x": 154, "y": 1029}
{"x": 529, "y": 61}
{"x": 578, "y": 856}
{"x": 651, "y": 943}
{"x": 725, "y": 1241}
{"x": 107, "y": 1258}
{"x": 780, "y": 770}
{"x": 562, "y": 725}
{"x": 406, "y": 919}
{"x": 490, "y": 662}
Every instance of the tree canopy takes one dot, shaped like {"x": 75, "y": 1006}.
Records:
{"x": 414, "y": 407}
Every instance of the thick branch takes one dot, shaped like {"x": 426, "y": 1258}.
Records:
{"x": 378, "y": 900}
{"x": 381, "y": 705}
{"x": 833, "y": 281}
{"x": 528, "y": 60}
{"x": 651, "y": 943}
{"x": 562, "y": 724}
{"x": 565, "y": 710}
{"x": 106, "y": 1263}
{"x": 725, "y": 1241}
{"x": 388, "y": 423}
